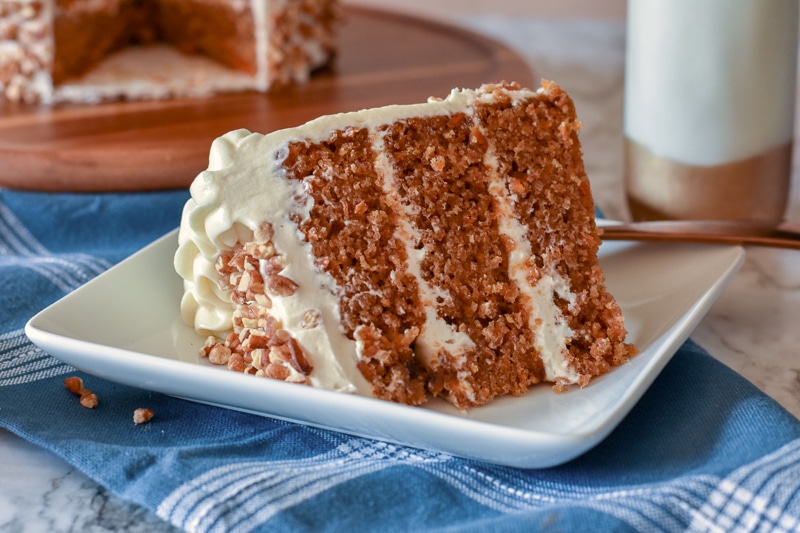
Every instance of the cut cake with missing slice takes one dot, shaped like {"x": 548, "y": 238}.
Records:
{"x": 447, "y": 248}
{"x": 88, "y": 51}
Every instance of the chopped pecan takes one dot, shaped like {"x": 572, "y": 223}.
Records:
{"x": 223, "y": 263}
{"x": 276, "y": 371}
{"x": 269, "y": 325}
{"x": 264, "y": 232}
{"x": 142, "y": 415}
{"x": 281, "y": 336}
{"x": 262, "y": 299}
{"x": 279, "y": 354}
{"x": 219, "y": 354}
{"x": 237, "y": 261}
{"x": 89, "y": 399}
{"x": 298, "y": 359}
{"x": 74, "y": 384}
{"x": 256, "y": 339}
{"x": 259, "y": 358}
{"x": 248, "y": 311}
{"x": 273, "y": 265}
{"x": 260, "y": 250}
{"x": 236, "y": 363}
{"x": 233, "y": 343}
{"x": 281, "y": 285}
{"x": 311, "y": 319}
{"x": 244, "y": 281}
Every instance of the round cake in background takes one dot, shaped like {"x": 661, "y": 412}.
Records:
{"x": 89, "y": 51}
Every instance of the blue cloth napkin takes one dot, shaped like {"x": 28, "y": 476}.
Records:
{"x": 703, "y": 450}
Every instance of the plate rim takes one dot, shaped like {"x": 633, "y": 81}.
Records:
{"x": 551, "y": 445}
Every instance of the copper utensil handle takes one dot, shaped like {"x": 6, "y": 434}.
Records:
{"x": 783, "y": 235}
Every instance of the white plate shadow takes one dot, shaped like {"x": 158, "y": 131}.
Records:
{"x": 125, "y": 326}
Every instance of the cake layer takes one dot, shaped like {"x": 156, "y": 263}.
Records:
{"x": 446, "y": 247}
{"x": 219, "y": 29}
{"x": 85, "y": 33}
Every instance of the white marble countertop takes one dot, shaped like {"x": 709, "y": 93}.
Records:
{"x": 752, "y": 328}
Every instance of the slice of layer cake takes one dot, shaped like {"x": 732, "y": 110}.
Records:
{"x": 93, "y": 50}
{"x": 446, "y": 248}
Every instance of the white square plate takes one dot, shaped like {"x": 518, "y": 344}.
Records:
{"x": 125, "y": 326}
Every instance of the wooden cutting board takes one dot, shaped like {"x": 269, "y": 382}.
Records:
{"x": 383, "y": 58}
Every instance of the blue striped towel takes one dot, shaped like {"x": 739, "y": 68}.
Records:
{"x": 703, "y": 450}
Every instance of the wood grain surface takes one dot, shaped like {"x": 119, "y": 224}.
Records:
{"x": 384, "y": 58}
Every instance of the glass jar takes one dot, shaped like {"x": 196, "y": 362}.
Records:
{"x": 709, "y": 108}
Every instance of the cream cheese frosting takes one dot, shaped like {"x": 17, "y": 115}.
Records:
{"x": 245, "y": 186}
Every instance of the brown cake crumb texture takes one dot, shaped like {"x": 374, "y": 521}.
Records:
{"x": 442, "y": 183}
{"x": 83, "y": 34}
